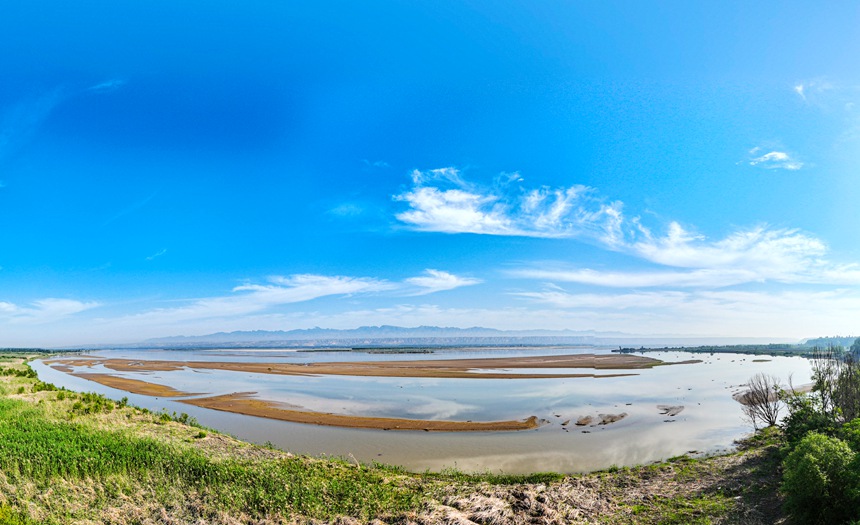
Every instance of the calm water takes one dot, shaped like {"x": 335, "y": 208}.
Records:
{"x": 710, "y": 422}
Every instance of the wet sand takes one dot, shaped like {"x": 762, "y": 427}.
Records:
{"x": 132, "y": 385}
{"x": 243, "y": 403}
{"x": 446, "y": 368}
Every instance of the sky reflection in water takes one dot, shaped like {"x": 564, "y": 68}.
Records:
{"x": 710, "y": 421}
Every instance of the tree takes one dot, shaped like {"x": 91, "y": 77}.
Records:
{"x": 836, "y": 373}
{"x": 762, "y": 402}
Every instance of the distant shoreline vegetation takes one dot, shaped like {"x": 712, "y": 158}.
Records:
{"x": 776, "y": 349}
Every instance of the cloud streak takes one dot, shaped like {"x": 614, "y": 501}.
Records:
{"x": 19, "y": 122}
{"x": 437, "y": 281}
{"x": 43, "y": 310}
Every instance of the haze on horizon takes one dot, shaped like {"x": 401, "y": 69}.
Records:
{"x": 648, "y": 168}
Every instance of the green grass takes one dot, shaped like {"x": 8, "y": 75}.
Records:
{"x": 701, "y": 510}
{"x": 37, "y": 449}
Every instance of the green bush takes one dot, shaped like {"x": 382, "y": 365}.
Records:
{"x": 850, "y": 434}
{"x": 820, "y": 482}
{"x": 805, "y": 415}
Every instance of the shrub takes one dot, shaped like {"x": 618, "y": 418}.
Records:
{"x": 805, "y": 414}
{"x": 850, "y": 434}
{"x": 819, "y": 483}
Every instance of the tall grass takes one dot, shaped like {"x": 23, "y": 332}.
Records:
{"x": 35, "y": 449}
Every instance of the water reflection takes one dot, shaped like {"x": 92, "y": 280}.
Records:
{"x": 709, "y": 422}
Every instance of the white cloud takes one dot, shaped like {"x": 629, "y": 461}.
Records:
{"x": 741, "y": 313}
{"x": 43, "y": 310}
{"x": 799, "y": 89}
{"x": 775, "y": 160}
{"x": 771, "y": 253}
{"x": 442, "y": 201}
{"x": 759, "y": 254}
{"x": 695, "y": 278}
{"x": 438, "y": 281}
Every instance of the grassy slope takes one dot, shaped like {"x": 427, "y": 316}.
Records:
{"x": 77, "y": 458}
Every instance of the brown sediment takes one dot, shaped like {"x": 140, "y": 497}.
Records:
{"x": 444, "y": 368}
{"x": 134, "y": 386}
{"x": 606, "y": 419}
{"x": 669, "y": 410}
{"x": 243, "y": 403}
{"x": 584, "y": 420}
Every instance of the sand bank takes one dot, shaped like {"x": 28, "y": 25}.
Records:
{"x": 133, "y": 385}
{"x": 479, "y": 368}
{"x": 243, "y": 403}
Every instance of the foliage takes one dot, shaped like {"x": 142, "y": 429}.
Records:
{"x": 850, "y": 434}
{"x": 805, "y": 415}
{"x": 821, "y": 479}
{"x": 820, "y": 484}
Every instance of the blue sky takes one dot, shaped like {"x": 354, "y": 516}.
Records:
{"x": 174, "y": 168}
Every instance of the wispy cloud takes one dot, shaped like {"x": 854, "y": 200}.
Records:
{"x": 437, "y": 281}
{"x": 811, "y": 90}
{"x": 771, "y": 252}
{"x": 696, "y": 278}
{"x": 19, "y": 122}
{"x": 760, "y": 254}
{"x": 130, "y": 209}
{"x": 375, "y": 163}
{"x": 107, "y": 86}
{"x": 441, "y": 200}
{"x": 787, "y": 313}
{"x": 43, "y": 310}
{"x": 157, "y": 254}
{"x": 347, "y": 209}
{"x": 774, "y": 160}
{"x": 253, "y": 298}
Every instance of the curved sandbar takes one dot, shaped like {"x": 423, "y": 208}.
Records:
{"x": 443, "y": 368}
{"x": 133, "y": 386}
{"x": 242, "y": 403}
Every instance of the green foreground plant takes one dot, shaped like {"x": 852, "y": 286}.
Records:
{"x": 821, "y": 478}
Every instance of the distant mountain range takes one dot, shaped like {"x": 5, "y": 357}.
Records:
{"x": 389, "y": 336}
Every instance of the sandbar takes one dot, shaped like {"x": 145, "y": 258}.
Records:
{"x": 133, "y": 386}
{"x": 476, "y": 368}
{"x": 243, "y": 403}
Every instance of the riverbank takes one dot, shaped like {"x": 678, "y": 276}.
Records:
{"x": 80, "y": 458}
